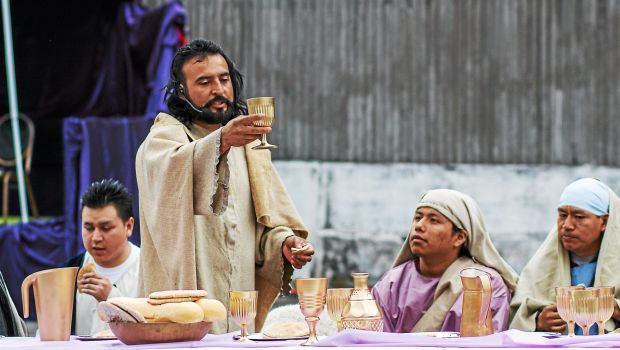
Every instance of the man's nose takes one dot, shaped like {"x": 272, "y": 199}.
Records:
{"x": 418, "y": 225}
{"x": 568, "y": 223}
{"x": 97, "y": 236}
{"x": 217, "y": 88}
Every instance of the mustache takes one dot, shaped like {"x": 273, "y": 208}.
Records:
{"x": 217, "y": 99}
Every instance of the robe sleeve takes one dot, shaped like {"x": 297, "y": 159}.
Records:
{"x": 211, "y": 175}
{"x": 270, "y": 263}
{"x": 177, "y": 179}
{"x": 500, "y": 304}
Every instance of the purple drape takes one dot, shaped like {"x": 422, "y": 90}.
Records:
{"x": 98, "y": 148}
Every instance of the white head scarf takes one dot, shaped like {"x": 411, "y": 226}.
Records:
{"x": 464, "y": 213}
{"x": 588, "y": 194}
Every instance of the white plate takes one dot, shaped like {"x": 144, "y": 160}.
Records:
{"x": 440, "y": 334}
{"x": 260, "y": 337}
{"x": 91, "y": 338}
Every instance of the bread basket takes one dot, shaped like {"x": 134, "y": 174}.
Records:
{"x": 159, "y": 332}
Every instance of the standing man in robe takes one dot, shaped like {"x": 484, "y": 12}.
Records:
{"x": 423, "y": 290}
{"x": 582, "y": 248}
{"x": 214, "y": 213}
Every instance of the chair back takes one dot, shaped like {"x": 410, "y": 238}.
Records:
{"x": 26, "y": 134}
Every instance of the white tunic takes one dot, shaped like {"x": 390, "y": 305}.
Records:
{"x": 124, "y": 278}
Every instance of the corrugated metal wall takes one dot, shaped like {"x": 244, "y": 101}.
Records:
{"x": 462, "y": 81}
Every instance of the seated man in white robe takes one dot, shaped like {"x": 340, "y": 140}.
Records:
{"x": 107, "y": 224}
{"x": 582, "y": 248}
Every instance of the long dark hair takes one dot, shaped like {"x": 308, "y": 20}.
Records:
{"x": 202, "y": 48}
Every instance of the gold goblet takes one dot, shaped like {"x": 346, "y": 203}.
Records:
{"x": 606, "y": 303}
{"x": 311, "y": 293}
{"x": 337, "y": 298}
{"x": 243, "y": 310}
{"x": 265, "y": 106}
{"x": 586, "y": 309}
{"x": 566, "y": 307}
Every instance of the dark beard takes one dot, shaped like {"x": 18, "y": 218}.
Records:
{"x": 218, "y": 117}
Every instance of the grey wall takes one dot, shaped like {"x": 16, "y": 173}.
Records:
{"x": 444, "y": 81}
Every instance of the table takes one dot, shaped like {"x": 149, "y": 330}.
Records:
{"x": 511, "y": 339}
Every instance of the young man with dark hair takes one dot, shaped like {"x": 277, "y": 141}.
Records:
{"x": 107, "y": 224}
{"x": 214, "y": 213}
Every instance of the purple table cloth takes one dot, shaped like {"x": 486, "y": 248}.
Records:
{"x": 508, "y": 339}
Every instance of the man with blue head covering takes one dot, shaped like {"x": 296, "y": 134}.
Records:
{"x": 580, "y": 250}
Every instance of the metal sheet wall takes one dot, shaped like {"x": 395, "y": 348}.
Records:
{"x": 443, "y": 81}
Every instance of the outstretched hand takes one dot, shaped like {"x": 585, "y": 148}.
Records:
{"x": 297, "y": 251}
{"x": 240, "y": 131}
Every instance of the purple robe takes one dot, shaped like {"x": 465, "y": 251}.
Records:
{"x": 404, "y": 295}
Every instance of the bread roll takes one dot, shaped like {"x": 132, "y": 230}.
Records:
{"x": 113, "y": 313}
{"x": 212, "y": 309}
{"x": 174, "y": 294}
{"x": 138, "y": 304}
{"x": 186, "y": 312}
{"x": 90, "y": 267}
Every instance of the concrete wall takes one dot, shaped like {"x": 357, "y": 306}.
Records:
{"x": 358, "y": 214}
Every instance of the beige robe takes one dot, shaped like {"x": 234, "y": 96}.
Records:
{"x": 464, "y": 212}
{"x": 550, "y": 268}
{"x": 211, "y": 222}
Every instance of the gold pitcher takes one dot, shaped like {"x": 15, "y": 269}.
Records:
{"x": 476, "y": 319}
{"x": 53, "y": 297}
{"x": 362, "y": 311}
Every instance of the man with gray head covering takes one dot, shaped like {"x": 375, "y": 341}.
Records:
{"x": 582, "y": 248}
{"x": 423, "y": 290}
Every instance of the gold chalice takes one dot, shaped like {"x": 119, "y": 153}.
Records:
{"x": 606, "y": 303}
{"x": 586, "y": 309}
{"x": 337, "y": 298}
{"x": 311, "y": 293}
{"x": 243, "y": 310}
{"x": 265, "y": 106}
{"x": 566, "y": 306}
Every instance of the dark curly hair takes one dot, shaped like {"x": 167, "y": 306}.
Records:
{"x": 201, "y": 48}
{"x": 105, "y": 192}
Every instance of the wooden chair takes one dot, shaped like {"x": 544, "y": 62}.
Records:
{"x": 8, "y": 171}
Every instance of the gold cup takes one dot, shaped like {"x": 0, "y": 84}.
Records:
{"x": 586, "y": 309}
{"x": 606, "y": 303}
{"x": 312, "y": 293}
{"x": 337, "y": 298}
{"x": 243, "y": 310}
{"x": 566, "y": 306}
{"x": 265, "y": 106}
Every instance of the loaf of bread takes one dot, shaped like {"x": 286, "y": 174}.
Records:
{"x": 212, "y": 309}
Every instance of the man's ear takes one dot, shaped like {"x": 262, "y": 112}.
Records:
{"x": 461, "y": 238}
{"x": 604, "y": 218}
{"x": 129, "y": 226}
{"x": 181, "y": 91}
